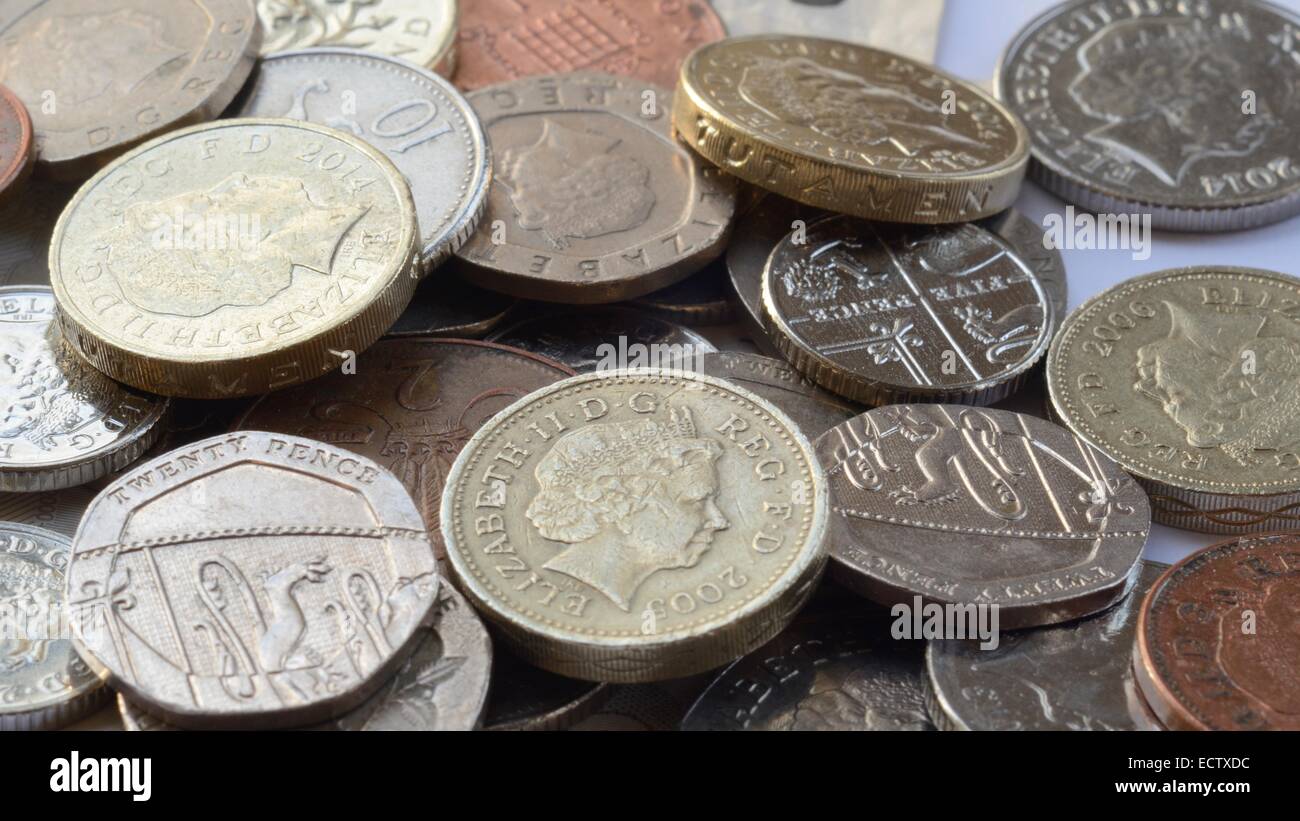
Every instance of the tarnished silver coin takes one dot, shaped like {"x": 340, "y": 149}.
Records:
{"x": 418, "y": 119}
{"x": 62, "y": 422}
{"x": 700, "y": 299}
{"x": 43, "y": 682}
{"x": 1186, "y": 111}
{"x": 833, "y": 669}
{"x": 603, "y": 339}
{"x": 774, "y": 217}
{"x": 26, "y": 225}
{"x": 974, "y": 505}
{"x": 57, "y": 510}
{"x": 1074, "y": 676}
{"x": 883, "y": 314}
{"x": 814, "y": 410}
{"x": 524, "y": 697}
{"x": 443, "y": 685}
{"x": 251, "y": 578}
{"x": 447, "y": 306}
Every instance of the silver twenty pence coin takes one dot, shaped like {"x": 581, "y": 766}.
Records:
{"x": 43, "y": 682}
{"x": 1187, "y": 111}
{"x": 964, "y": 505}
{"x": 251, "y": 578}
{"x": 419, "y": 120}
{"x": 1074, "y": 676}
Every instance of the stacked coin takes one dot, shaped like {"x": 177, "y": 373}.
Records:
{"x": 367, "y": 405}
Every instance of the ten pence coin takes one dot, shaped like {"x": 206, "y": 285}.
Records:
{"x": 503, "y": 40}
{"x": 1187, "y": 112}
{"x": 882, "y": 313}
{"x": 1190, "y": 379}
{"x": 17, "y": 150}
{"x": 851, "y": 129}
{"x": 1217, "y": 647}
{"x": 422, "y": 32}
{"x": 251, "y": 578}
{"x": 411, "y": 405}
{"x": 593, "y": 200}
{"x": 98, "y": 78}
{"x": 415, "y": 117}
{"x": 44, "y": 684}
{"x": 980, "y": 506}
{"x": 63, "y": 422}
{"x": 636, "y": 525}
{"x": 235, "y": 258}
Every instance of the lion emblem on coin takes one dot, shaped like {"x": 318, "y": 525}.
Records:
{"x": 45, "y": 394}
{"x": 574, "y": 185}
{"x": 237, "y": 243}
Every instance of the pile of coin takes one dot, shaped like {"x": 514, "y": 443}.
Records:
{"x": 428, "y": 365}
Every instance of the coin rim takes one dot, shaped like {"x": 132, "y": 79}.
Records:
{"x": 12, "y": 177}
{"x": 669, "y": 655}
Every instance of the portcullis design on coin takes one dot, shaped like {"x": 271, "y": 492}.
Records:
{"x": 63, "y": 422}
{"x": 251, "y": 578}
{"x": 234, "y": 258}
{"x": 636, "y": 525}
{"x": 1184, "y": 111}
{"x": 974, "y": 505}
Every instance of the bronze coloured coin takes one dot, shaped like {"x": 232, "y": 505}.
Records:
{"x": 851, "y": 129}
{"x": 251, "y": 578}
{"x": 504, "y": 40}
{"x": 881, "y": 313}
{"x": 98, "y": 78}
{"x": 17, "y": 150}
{"x": 410, "y": 405}
{"x": 1217, "y": 645}
{"x": 979, "y": 506}
{"x": 592, "y": 199}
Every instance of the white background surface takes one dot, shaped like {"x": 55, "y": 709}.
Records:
{"x": 971, "y": 39}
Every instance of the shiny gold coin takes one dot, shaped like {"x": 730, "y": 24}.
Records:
{"x": 235, "y": 258}
{"x": 851, "y": 129}
{"x": 637, "y": 525}
{"x": 1190, "y": 379}
{"x": 418, "y": 31}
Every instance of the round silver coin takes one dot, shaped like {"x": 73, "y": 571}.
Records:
{"x": 981, "y": 506}
{"x": 418, "y": 119}
{"x": 443, "y": 685}
{"x": 44, "y": 684}
{"x": 251, "y": 578}
{"x": 812, "y": 409}
{"x": 62, "y": 422}
{"x": 835, "y": 669}
{"x": 1187, "y": 111}
{"x": 604, "y": 339}
{"x": 1074, "y": 676}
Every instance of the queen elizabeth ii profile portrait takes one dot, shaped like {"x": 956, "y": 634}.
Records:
{"x": 628, "y": 499}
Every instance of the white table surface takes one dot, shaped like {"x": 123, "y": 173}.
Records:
{"x": 971, "y": 39}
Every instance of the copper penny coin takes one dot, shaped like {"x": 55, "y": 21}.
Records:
{"x": 504, "y": 40}
{"x": 410, "y": 405}
{"x": 16, "y": 147}
{"x": 1218, "y": 641}
{"x": 592, "y": 198}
